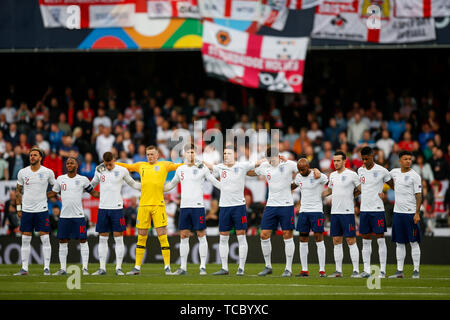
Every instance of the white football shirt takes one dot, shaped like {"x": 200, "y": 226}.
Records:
{"x": 372, "y": 182}
{"x": 232, "y": 182}
{"x": 191, "y": 179}
{"x": 111, "y": 186}
{"x": 311, "y": 190}
{"x": 343, "y": 185}
{"x": 35, "y": 185}
{"x": 279, "y": 179}
{"x": 72, "y": 194}
{"x": 406, "y": 185}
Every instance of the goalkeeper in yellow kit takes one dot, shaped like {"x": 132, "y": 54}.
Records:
{"x": 151, "y": 205}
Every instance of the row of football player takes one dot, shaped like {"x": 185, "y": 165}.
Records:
{"x": 369, "y": 181}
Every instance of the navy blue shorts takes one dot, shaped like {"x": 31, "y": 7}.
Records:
{"x": 274, "y": 216}
{"x": 230, "y": 217}
{"x": 342, "y": 225}
{"x": 310, "y": 221}
{"x": 110, "y": 220}
{"x": 35, "y": 221}
{"x": 372, "y": 221}
{"x": 72, "y": 228}
{"x": 404, "y": 229}
{"x": 192, "y": 219}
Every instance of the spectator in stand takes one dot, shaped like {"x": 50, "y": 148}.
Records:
{"x": 17, "y": 162}
{"x": 356, "y": 129}
{"x": 4, "y": 168}
{"x": 120, "y": 121}
{"x": 54, "y": 162}
{"x": 4, "y": 126}
{"x": 139, "y": 135}
{"x": 163, "y": 136}
{"x": 408, "y": 106}
{"x": 130, "y": 213}
{"x": 123, "y": 157}
{"x": 2, "y": 143}
{"x": 140, "y": 155}
{"x": 396, "y": 127}
{"x": 12, "y": 135}
{"x": 88, "y": 112}
{"x": 244, "y": 124}
{"x": 9, "y": 111}
{"x": 423, "y": 168}
{"x": 131, "y": 111}
{"x": 290, "y": 136}
{"x": 314, "y": 134}
{"x": 23, "y": 143}
{"x": 302, "y": 141}
{"x": 79, "y": 141}
{"x": 366, "y": 139}
{"x": 439, "y": 165}
{"x": 325, "y": 162}
{"x": 312, "y": 157}
{"x": 112, "y": 112}
{"x": 87, "y": 168}
{"x": 38, "y": 129}
{"x": 104, "y": 141}
{"x": 66, "y": 148}
{"x": 332, "y": 132}
{"x": 101, "y": 119}
{"x": 385, "y": 143}
{"x": 55, "y": 137}
{"x": 406, "y": 143}
{"x": 425, "y": 135}
{"x": 10, "y": 214}
{"x": 212, "y": 219}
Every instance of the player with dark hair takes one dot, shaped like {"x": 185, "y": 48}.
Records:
{"x": 72, "y": 223}
{"x": 311, "y": 214}
{"x": 372, "y": 216}
{"x": 342, "y": 185}
{"x": 405, "y": 225}
{"x": 110, "y": 213}
{"x": 32, "y": 207}
{"x": 192, "y": 208}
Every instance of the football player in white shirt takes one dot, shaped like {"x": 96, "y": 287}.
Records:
{"x": 311, "y": 214}
{"x": 372, "y": 217}
{"x": 233, "y": 212}
{"x": 279, "y": 208}
{"x": 192, "y": 208}
{"x": 405, "y": 225}
{"x": 72, "y": 223}
{"x": 32, "y": 209}
{"x": 110, "y": 211}
{"x": 342, "y": 186}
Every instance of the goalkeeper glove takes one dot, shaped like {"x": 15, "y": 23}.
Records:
{"x": 100, "y": 168}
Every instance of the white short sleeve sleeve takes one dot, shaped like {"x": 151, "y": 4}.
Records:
{"x": 323, "y": 179}
{"x": 56, "y": 187}
{"x": 356, "y": 180}
{"x": 417, "y": 183}
{"x": 51, "y": 178}
{"x": 216, "y": 171}
{"x": 293, "y": 166}
{"x": 387, "y": 176}
{"x": 20, "y": 178}
{"x": 297, "y": 179}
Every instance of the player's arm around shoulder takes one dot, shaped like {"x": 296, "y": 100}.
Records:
{"x": 171, "y": 166}
{"x": 295, "y": 183}
{"x": 131, "y": 182}
{"x": 131, "y": 167}
{"x": 173, "y": 183}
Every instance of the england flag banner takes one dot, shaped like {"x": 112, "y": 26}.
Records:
{"x": 422, "y": 8}
{"x": 250, "y": 60}
{"x": 173, "y": 9}
{"x": 248, "y": 10}
{"x": 77, "y": 14}
{"x": 368, "y": 21}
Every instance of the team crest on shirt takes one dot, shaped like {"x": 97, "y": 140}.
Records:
{"x": 41, "y": 176}
{"x": 281, "y": 169}
{"x": 375, "y": 174}
{"x": 195, "y": 171}
{"x": 116, "y": 174}
{"x": 343, "y": 178}
{"x": 311, "y": 180}
{"x": 156, "y": 168}
{"x": 77, "y": 183}
{"x": 406, "y": 178}
{"x": 236, "y": 170}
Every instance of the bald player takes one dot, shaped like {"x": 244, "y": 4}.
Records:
{"x": 311, "y": 214}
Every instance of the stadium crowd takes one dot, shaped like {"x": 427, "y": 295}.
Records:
{"x": 85, "y": 126}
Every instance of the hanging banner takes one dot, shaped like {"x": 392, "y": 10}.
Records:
{"x": 422, "y": 8}
{"x": 265, "y": 62}
{"x": 78, "y": 14}
{"x": 173, "y": 9}
{"x": 368, "y": 21}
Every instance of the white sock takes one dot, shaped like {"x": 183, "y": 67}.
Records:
{"x": 47, "y": 249}
{"x": 338, "y": 256}
{"x": 120, "y": 251}
{"x": 266, "y": 247}
{"x": 25, "y": 251}
{"x": 289, "y": 249}
{"x": 304, "y": 249}
{"x": 84, "y": 248}
{"x": 415, "y": 253}
{"x": 354, "y": 255}
{"x": 382, "y": 252}
{"x": 243, "y": 250}
{"x": 224, "y": 249}
{"x": 202, "y": 250}
{"x": 63, "y": 250}
{"x": 102, "y": 251}
{"x": 366, "y": 253}
{"x": 401, "y": 254}
{"x": 184, "y": 252}
{"x": 321, "y": 255}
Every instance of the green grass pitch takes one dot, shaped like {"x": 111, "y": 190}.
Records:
{"x": 434, "y": 283}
